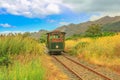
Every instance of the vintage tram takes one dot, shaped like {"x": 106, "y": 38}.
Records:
{"x": 55, "y": 42}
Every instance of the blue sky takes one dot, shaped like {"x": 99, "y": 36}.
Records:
{"x": 33, "y": 15}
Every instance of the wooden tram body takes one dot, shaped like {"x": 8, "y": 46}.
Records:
{"x": 55, "y": 42}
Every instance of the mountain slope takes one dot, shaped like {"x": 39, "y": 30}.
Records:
{"x": 37, "y": 35}
{"x": 114, "y": 27}
{"x": 107, "y": 22}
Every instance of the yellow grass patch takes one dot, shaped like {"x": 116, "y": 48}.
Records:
{"x": 103, "y": 51}
{"x": 53, "y": 73}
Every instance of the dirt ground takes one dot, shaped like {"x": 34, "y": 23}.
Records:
{"x": 53, "y": 73}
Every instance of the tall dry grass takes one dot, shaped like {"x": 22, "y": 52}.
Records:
{"x": 18, "y": 45}
{"x": 102, "y": 51}
{"x": 25, "y": 67}
{"x": 23, "y": 54}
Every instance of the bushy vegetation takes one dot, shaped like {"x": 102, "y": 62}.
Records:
{"x": 18, "y": 44}
{"x": 13, "y": 45}
{"x": 25, "y": 67}
{"x": 28, "y": 68}
{"x": 79, "y": 48}
{"x": 93, "y": 31}
{"x": 101, "y": 51}
{"x": 43, "y": 38}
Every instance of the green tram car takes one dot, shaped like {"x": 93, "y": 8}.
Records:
{"x": 55, "y": 42}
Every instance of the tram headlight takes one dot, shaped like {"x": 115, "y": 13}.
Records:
{"x": 57, "y": 46}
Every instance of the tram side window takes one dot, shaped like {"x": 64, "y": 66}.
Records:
{"x": 55, "y": 36}
{"x": 52, "y": 37}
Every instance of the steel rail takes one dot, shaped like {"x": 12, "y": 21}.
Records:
{"x": 67, "y": 67}
{"x": 106, "y": 78}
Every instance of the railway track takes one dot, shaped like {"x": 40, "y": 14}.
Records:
{"x": 68, "y": 68}
{"x": 79, "y": 65}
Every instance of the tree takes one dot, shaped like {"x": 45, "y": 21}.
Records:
{"x": 26, "y": 34}
{"x": 42, "y": 38}
{"x": 94, "y": 30}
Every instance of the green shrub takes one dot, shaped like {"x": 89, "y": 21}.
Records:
{"x": 14, "y": 45}
{"x": 5, "y": 60}
{"x": 79, "y": 48}
{"x": 43, "y": 38}
{"x": 30, "y": 71}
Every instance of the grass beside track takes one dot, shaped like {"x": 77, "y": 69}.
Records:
{"x": 18, "y": 44}
{"x": 20, "y": 58}
{"x": 103, "y": 51}
{"x": 26, "y": 60}
{"x": 24, "y": 68}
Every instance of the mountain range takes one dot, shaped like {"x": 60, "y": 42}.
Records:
{"x": 111, "y": 24}
{"x": 107, "y": 23}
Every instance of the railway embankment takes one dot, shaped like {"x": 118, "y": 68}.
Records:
{"x": 80, "y": 70}
{"x": 101, "y": 51}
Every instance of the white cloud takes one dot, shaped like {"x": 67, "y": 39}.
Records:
{"x": 31, "y": 8}
{"x": 101, "y": 7}
{"x": 96, "y": 17}
{"x": 41, "y": 8}
{"x": 7, "y": 32}
{"x": 53, "y": 8}
{"x": 63, "y": 23}
{"x": 93, "y": 5}
{"x": 6, "y": 25}
{"x": 51, "y": 20}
